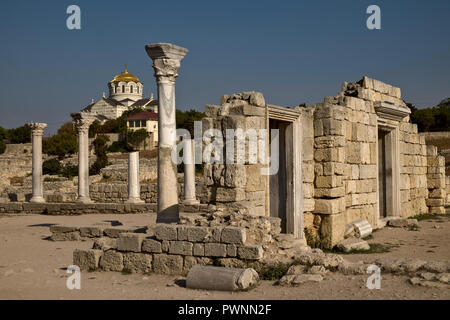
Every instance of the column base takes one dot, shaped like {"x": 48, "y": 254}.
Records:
{"x": 191, "y": 202}
{"x": 84, "y": 200}
{"x": 37, "y": 199}
{"x": 134, "y": 201}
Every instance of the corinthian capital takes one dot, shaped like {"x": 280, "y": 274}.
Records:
{"x": 82, "y": 121}
{"x": 166, "y": 59}
{"x": 37, "y": 128}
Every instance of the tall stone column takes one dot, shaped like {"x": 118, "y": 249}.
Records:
{"x": 166, "y": 62}
{"x": 189, "y": 172}
{"x": 134, "y": 188}
{"x": 82, "y": 123}
{"x": 37, "y": 131}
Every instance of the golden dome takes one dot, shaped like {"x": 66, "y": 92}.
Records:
{"x": 125, "y": 77}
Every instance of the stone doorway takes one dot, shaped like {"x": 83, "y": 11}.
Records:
{"x": 388, "y": 172}
{"x": 284, "y": 194}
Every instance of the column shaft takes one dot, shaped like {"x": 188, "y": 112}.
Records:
{"x": 134, "y": 189}
{"x": 38, "y": 189}
{"x": 189, "y": 172}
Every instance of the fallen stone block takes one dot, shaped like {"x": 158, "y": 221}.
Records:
{"x": 66, "y": 236}
{"x": 402, "y": 223}
{"x": 87, "y": 259}
{"x": 351, "y": 244}
{"x": 91, "y": 232}
{"x": 105, "y": 243}
{"x": 115, "y": 232}
{"x": 296, "y": 269}
{"x": 62, "y": 229}
{"x": 352, "y": 268}
{"x": 221, "y": 279}
{"x": 295, "y": 280}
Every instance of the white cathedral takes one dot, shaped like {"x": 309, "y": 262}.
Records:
{"x": 125, "y": 93}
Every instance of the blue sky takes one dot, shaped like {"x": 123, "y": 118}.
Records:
{"x": 292, "y": 51}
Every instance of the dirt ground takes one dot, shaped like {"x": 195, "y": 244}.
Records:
{"x": 32, "y": 267}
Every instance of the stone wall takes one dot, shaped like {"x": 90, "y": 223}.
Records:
{"x": 436, "y": 181}
{"x": 236, "y": 185}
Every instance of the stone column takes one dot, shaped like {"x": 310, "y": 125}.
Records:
{"x": 134, "y": 188}
{"x": 82, "y": 123}
{"x": 37, "y": 130}
{"x": 166, "y": 62}
{"x": 189, "y": 172}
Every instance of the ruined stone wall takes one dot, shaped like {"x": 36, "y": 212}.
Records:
{"x": 236, "y": 185}
{"x": 436, "y": 181}
{"x": 346, "y": 161}
{"x": 307, "y": 124}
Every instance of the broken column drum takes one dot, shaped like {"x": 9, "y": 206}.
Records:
{"x": 37, "y": 130}
{"x": 166, "y": 62}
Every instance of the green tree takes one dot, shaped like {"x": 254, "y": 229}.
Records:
{"x": 51, "y": 166}
{"x": 185, "y": 119}
{"x": 135, "y": 138}
{"x": 100, "y": 148}
{"x": 20, "y": 135}
{"x": 64, "y": 142}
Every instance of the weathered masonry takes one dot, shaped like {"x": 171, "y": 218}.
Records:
{"x": 354, "y": 156}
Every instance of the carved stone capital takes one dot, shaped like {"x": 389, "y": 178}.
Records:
{"x": 166, "y": 60}
{"x": 37, "y": 128}
{"x": 82, "y": 122}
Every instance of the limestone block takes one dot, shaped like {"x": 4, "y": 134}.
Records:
{"x": 437, "y": 193}
{"x": 254, "y": 180}
{"x": 105, "y": 243}
{"x": 130, "y": 241}
{"x": 166, "y": 231}
{"x": 197, "y": 234}
{"x": 308, "y": 205}
{"x": 329, "y": 206}
{"x": 91, "y": 232}
{"x": 368, "y": 171}
{"x": 137, "y": 262}
{"x": 351, "y": 244}
{"x": 230, "y": 194}
{"x": 330, "y": 154}
{"x": 437, "y": 210}
{"x": 87, "y": 259}
{"x": 329, "y": 192}
{"x": 231, "y": 250}
{"x": 308, "y": 149}
{"x": 66, "y": 236}
{"x": 247, "y": 110}
{"x": 198, "y": 249}
{"x": 308, "y": 170}
{"x": 332, "y": 229}
{"x": 62, "y": 229}
{"x": 180, "y": 247}
{"x": 111, "y": 261}
{"x": 215, "y": 249}
{"x": 333, "y": 127}
{"x": 308, "y": 190}
{"x": 235, "y": 176}
{"x": 182, "y": 233}
{"x": 233, "y": 235}
{"x": 332, "y": 168}
{"x": 257, "y": 99}
{"x": 329, "y": 181}
{"x": 435, "y": 202}
{"x": 351, "y": 186}
{"x": 151, "y": 245}
{"x": 250, "y": 252}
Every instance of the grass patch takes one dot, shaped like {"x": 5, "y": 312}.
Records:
{"x": 274, "y": 272}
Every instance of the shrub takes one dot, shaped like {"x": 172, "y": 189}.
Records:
{"x": 136, "y": 137}
{"x": 51, "y": 166}
{"x": 100, "y": 151}
{"x": 69, "y": 171}
{"x": 2, "y": 146}
{"x": 20, "y": 135}
{"x": 119, "y": 146}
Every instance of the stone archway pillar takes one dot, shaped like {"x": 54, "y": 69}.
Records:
{"x": 166, "y": 62}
